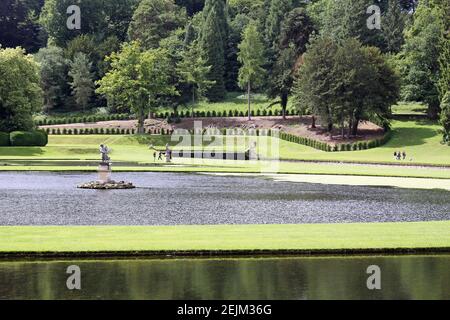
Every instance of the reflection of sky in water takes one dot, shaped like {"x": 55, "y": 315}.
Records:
{"x": 403, "y": 277}
{"x": 174, "y": 199}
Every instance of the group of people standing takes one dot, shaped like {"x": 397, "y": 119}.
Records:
{"x": 400, "y": 155}
{"x": 167, "y": 153}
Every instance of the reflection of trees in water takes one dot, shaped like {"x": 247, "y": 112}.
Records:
{"x": 279, "y": 278}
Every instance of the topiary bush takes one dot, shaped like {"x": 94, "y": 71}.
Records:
{"x": 36, "y": 138}
{"x": 4, "y": 139}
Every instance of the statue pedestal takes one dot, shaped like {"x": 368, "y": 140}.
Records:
{"x": 104, "y": 173}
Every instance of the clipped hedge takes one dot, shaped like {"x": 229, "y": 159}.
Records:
{"x": 222, "y": 114}
{"x": 359, "y": 145}
{"x": 82, "y": 119}
{"x": 36, "y": 138}
{"x": 4, "y": 139}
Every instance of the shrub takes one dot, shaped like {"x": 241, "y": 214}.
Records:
{"x": 36, "y": 138}
{"x": 4, "y": 139}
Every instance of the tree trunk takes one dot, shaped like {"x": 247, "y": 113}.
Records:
{"x": 350, "y": 127}
{"x": 355, "y": 127}
{"x": 141, "y": 121}
{"x": 284, "y": 102}
{"x": 249, "y": 102}
{"x": 313, "y": 124}
{"x": 330, "y": 127}
{"x": 433, "y": 111}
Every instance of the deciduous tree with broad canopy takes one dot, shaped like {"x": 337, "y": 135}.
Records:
{"x": 20, "y": 94}
{"x": 136, "y": 79}
{"x": 346, "y": 83}
{"x": 251, "y": 56}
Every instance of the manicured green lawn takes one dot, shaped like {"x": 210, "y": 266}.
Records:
{"x": 409, "y": 108}
{"x": 243, "y": 237}
{"x": 209, "y": 166}
{"x": 421, "y": 141}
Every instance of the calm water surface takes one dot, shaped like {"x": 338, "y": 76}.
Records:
{"x": 403, "y": 277}
{"x": 185, "y": 199}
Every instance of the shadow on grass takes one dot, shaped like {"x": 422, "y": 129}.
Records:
{"x": 21, "y": 151}
{"x": 407, "y": 137}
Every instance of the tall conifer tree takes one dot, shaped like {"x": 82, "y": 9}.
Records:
{"x": 213, "y": 47}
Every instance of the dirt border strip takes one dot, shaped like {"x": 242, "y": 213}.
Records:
{"x": 222, "y": 253}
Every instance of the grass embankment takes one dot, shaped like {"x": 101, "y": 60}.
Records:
{"x": 341, "y": 237}
{"x": 421, "y": 141}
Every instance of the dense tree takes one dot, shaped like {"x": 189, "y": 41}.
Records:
{"x": 419, "y": 60}
{"x": 192, "y": 6}
{"x": 136, "y": 79}
{"x": 194, "y": 70}
{"x": 249, "y": 8}
{"x": 218, "y": 10}
{"x": 20, "y": 94}
{"x": 445, "y": 117}
{"x": 18, "y": 24}
{"x": 393, "y": 26}
{"x": 232, "y": 65}
{"x": 347, "y": 19}
{"x": 190, "y": 35}
{"x": 408, "y": 5}
{"x": 175, "y": 47}
{"x": 296, "y": 30}
{"x": 277, "y": 12}
{"x": 212, "y": 45}
{"x": 221, "y": 14}
{"x": 251, "y": 56}
{"x": 102, "y": 18}
{"x": 346, "y": 83}
{"x": 53, "y": 73}
{"x": 312, "y": 92}
{"x": 82, "y": 83}
{"x": 154, "y": 20}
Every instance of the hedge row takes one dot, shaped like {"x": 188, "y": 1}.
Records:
{"x": 38, "y": 138}
{"x": 66, "y": 131}
{"x": 83, "y": 119}
{"x": 223, "y": 114}
{"x": 4, "y": 139}
{"x": 163, "y": 115}
{"x": 84, "y": 131}
{"x": 360, "y": 145}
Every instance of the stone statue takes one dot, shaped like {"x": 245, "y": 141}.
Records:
{"x": 252, "y": 153}
{"x": 104, "y": 150}
{"x": 168, "y": 154}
